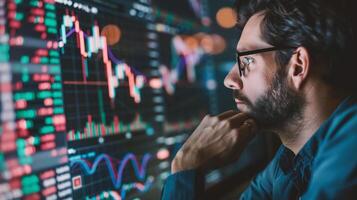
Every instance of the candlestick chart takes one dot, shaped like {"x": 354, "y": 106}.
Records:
{"x": 93, "y": 95}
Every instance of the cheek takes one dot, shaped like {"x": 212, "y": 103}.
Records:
{"x": 258, "y": 81}
{"x": 255, "y": 85}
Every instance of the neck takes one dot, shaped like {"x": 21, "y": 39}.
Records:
{"x": 319, "y": 105}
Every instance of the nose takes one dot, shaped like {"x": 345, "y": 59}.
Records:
{"x": 233, "y": 80}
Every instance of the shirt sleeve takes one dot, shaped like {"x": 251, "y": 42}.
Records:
{"x": 184, "y": 185}
{"x": 189, "y": 184}
{"x": 334, "y": 172}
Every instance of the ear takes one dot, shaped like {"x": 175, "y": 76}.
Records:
{"x": 299, "y": 67}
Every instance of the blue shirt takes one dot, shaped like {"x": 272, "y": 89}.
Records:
{"x": 325, "y": 168}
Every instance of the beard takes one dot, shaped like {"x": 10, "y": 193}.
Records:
{"x": 278, "y": 106}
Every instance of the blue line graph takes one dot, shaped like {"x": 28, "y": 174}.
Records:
{"x": 116, "y": 195}
{"x": 116, "y": 176}
{"x": 138, "y": 186}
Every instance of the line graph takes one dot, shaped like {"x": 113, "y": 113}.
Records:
{"x": 116, "y": 175}
{"x": 117, "y": 170}
{"x": 126, "y": 188}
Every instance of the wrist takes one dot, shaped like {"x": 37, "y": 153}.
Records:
{"x": 175, "y": 166}
{"x": 184, "y": 161}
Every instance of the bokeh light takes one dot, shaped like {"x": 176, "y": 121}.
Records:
{"x": 226, "y": 17}
{"x": 112, "y": 33}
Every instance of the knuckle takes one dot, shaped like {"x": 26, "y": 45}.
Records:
{"x": 230, "y": 124}
{"x": 235, "y": 138}
{"x": 224, "y": 123}
{"x": 208, "y": 129}
{"x": 206, "y": 117}
{"x": 231, "y": 139}
{"x": 214, "y": 118}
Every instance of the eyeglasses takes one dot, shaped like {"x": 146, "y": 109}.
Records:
{"x": 244, "y": 63}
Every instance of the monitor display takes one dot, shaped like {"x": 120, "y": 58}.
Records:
{"x": 97, "y": 96}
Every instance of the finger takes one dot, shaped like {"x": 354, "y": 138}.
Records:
{"x": 238, "y": 119}
{"x": 223, "y": 116}
{"x": 210, "y": 121}
{"x": 204, "y": 122}
{"x": 239, "y": 138}
{"x": 227, "y": 114}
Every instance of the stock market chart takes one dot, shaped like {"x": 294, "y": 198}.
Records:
{"x": 112, "y": 112}
{"x": 96, "y": 96}
{"x": 33, "y": 159}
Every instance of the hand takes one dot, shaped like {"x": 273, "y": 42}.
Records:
{"x": 216, "y": 141}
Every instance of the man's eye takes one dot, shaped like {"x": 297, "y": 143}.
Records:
{"x": 247, "y": 60}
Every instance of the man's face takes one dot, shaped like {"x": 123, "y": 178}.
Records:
{"x": 263, "y": 91}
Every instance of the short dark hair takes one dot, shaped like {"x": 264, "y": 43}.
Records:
{"x": 326, "y": 28}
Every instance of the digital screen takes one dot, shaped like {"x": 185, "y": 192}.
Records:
{"x": 90, "y": 93}
{"x": 96, "y": 97}
{"x": 113, "y": 114}
{"x": 33, "y": 159}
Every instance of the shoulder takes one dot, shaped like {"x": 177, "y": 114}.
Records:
{"x": 334, "y": 167}
{"x": 341, "y": 127}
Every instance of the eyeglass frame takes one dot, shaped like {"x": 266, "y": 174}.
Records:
{"x": 251, "y": 52}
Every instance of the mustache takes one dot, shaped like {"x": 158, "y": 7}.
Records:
{"x": 238, "y": 95}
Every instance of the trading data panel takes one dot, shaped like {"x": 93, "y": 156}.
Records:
{"x": 33, "y": 158}
{"x": 97, "y": 96}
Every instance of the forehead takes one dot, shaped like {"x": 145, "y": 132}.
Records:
{"x": 251, "y": 37}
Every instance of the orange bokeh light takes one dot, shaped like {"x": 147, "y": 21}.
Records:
{"x": 213, "y": 44}
{"x": 191, "y": 42}
{"x": 219, "y": 44}
{"x": 112, "y": 33}
{"x": 226, "y": 17}
{"x": 207, "y": 44}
